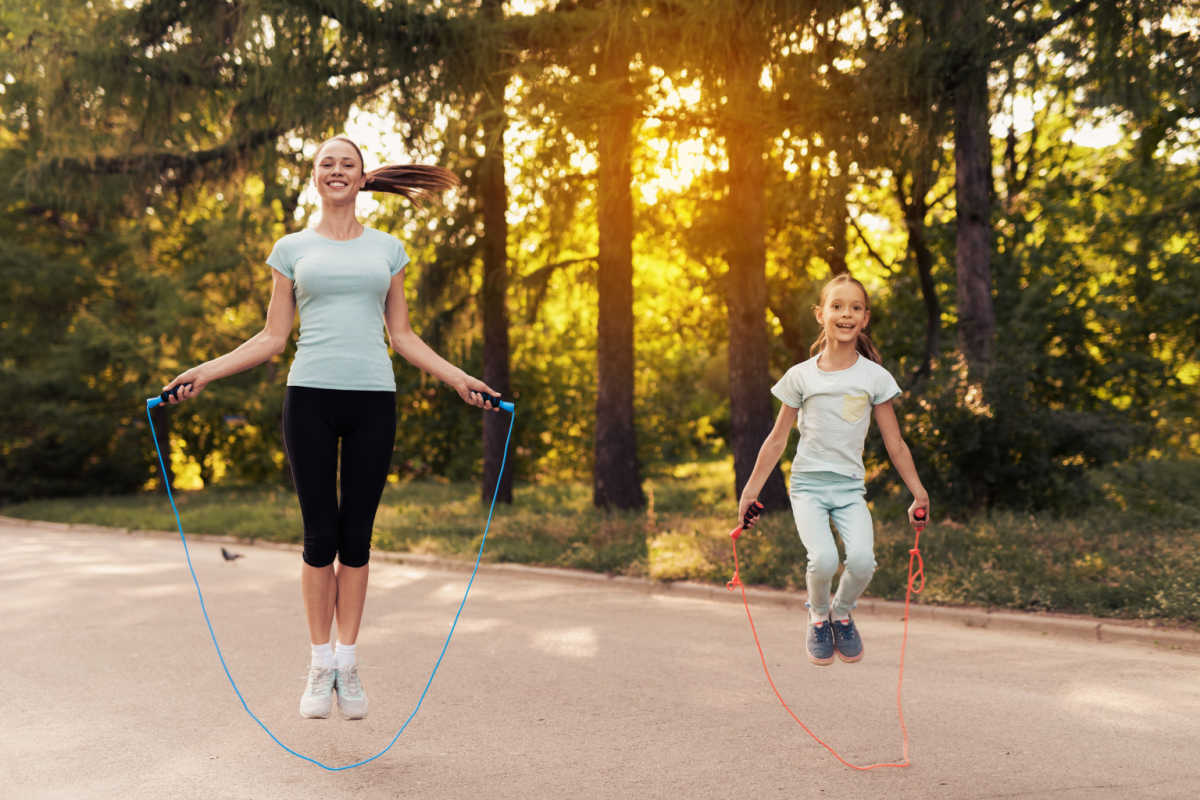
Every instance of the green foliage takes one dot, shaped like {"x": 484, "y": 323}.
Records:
{"x": 990, "y": 444}
{"x": 1151, "y": 494}
{"x": 73, "y": 358}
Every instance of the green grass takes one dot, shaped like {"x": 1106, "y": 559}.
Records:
{"x": 1134, "y": 555}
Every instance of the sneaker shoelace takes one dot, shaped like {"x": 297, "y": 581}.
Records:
{"x": 319, "y": 681}
{"x": 348, "y": 683}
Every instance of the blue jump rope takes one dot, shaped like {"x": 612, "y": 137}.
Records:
{"x": 495, "y": 402}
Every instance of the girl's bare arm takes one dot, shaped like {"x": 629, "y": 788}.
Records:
{"x": 901, "y": 456}
{"x": 768, "y": 456}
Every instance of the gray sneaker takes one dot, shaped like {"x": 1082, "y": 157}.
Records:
{"x": 820, "y": 643}
{"x": 318, "y": 693}
{"x": 847, "y": 641}
{"x": 352, "y": 698}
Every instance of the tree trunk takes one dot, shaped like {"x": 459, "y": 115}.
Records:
{"x": 751, "y": 412}
{"x": 916, "y": 209}
{"x": 933, "y": 308}
{"x": 972, "y": 188}
{"x": 617, "y": 480}
{"x": 494, "y": 196}
{"x": 835, "y": 253}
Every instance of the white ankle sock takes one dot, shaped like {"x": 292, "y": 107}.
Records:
{"x": 322, "y": 655}
{"x": 346, "y": 655}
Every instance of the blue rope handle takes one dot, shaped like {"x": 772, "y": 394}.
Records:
{"x": 507, "y": 406}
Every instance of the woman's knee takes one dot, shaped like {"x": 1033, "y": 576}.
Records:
{"x": 354, "y": 545}
{"x": 355, "y": 556}
{"x": 318, "y": 554}
{"x": 320, "y": 539}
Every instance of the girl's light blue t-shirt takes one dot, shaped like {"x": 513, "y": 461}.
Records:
{"x": 340, "y": 290}
{"x": 835, "y": 412}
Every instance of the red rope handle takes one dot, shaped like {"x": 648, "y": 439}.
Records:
{"x": 914, "y": 557}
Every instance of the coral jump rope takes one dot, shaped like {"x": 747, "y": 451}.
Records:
{"x": 495, "y": 402}
{"x": 914, "y": 558}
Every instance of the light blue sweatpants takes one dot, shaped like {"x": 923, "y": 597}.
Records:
{"x": 816, "y": 498}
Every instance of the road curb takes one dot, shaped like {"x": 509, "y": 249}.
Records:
{"x": 1071, "y": 626}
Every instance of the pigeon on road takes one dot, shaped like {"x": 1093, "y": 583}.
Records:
{"x": 228, "y": 556}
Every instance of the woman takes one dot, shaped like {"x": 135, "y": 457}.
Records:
{"x": 344, "y": 279}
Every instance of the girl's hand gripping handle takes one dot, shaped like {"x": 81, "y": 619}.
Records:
{"x": 752, "y": 514}
{"x": 920, "y": 519}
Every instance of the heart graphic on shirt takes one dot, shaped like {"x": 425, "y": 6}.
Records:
{"x": 854, "y": 406}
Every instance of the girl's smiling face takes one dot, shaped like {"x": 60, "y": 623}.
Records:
{"x": 844, "y": 314}
{"x": 338, "y": 172}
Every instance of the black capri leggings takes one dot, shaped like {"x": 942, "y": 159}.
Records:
{"x": 314, "y": 420}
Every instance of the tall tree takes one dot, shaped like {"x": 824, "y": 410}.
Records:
{"x": 761, "y": 80}
{"x": 972, "y": 36}
{"x": 493, "y": 193}
{"x": 973, "y": 181}
{"x": 915, "y": 177}
{"x": 745, "y": 124}
{"x": 617, "y": 480}
{"x": 745, "y": 283}
{"x": 587, "y": 48}
{"x": 903, "y": 83}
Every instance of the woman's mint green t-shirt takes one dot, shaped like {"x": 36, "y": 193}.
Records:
{"x": 340, "y": 290}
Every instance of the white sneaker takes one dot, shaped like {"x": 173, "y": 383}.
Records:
{"x": 318, "y": 694}
{"x": 352, "y": 699}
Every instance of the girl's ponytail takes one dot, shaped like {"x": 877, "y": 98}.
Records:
{"x": 818, "y": 344}
{"x": 867, "y": 347}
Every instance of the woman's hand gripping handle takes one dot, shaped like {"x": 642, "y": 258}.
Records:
{"x": 169, "y": 396}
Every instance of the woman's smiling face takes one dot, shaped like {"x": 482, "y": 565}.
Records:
{"x": 338, "y": 172}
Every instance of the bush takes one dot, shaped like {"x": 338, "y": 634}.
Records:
{"x": 988, "y": 444}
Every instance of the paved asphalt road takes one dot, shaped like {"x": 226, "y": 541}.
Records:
{"x": 550, "y": 689}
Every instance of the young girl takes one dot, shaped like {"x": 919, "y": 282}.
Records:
{"x": 835, "y": 389}
{"x": 347, "y": 282}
